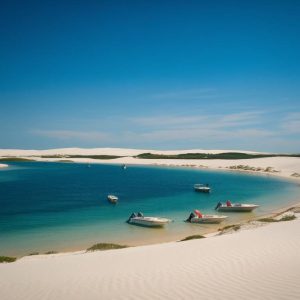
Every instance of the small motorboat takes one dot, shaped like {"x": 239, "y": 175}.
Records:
{"x": 198, "y": 217}
{"x": 112, "y": 199}
{"x": 235, "y": 207}
{"x": 140, "y": 219}
{"x": 202, "y": 188}
{"x": 124, "y": 167}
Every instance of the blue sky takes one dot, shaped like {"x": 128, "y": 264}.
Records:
{"x": 150, "y": 74}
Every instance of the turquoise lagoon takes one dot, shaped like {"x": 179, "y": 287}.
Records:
{"x": 63, "y": 206}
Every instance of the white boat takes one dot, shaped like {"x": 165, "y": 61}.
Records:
{"x": 235, "y": 207}
{"x": 124, "y": 167}
{"x": 140, "y": 219}
{"x": 198, "y": 217}
{"x": 112, "y": 199}
{"x": 202, "y": 188}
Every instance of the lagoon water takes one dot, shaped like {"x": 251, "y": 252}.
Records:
{"x": 63, "y": 206}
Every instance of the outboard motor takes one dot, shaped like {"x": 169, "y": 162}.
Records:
{"x": 192, "y": 215}
{"x": 218, "y": 205}
{"x": 140, "y": 214}
{"x": 133, "y": 215}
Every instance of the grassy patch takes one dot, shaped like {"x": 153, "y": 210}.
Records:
{"x": 233, "y": 227}
{"x": 283, "y": 219}
{"x": 105, "y": 246}
{"x": 267, "y": 220}
{"x": 7, "y": 259}
{"x": 295, "y": 175}
{"x": 82, "y": 156}
{"x": 288, "y": 218}
{"x": 15, "y": 159}
{"x": 228, "y": 155}
{"x": 193, "y": 237}
{"x": 51, "y": 252}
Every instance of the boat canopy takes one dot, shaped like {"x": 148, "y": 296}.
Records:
{"x": 198, "y": 213}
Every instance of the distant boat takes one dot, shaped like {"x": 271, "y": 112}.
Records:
{"x": 202, "y": 188}
{"x": 139, "y": 219}
{"x": 235, "y": 207}
{"x": 124, "y": 167}
{"x": 198, "y": 217}
{"x": 112, "y": 199}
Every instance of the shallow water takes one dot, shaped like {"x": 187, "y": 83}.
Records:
{"x": 63, "y": 206}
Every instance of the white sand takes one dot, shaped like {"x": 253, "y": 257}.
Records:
{"x": 261, "y": 263}
{"x": 286, "y": 166}
{"x": 106, "y": 151}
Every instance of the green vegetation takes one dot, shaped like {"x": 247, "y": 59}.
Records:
{"x": 193, "y": 237}
{"x": 33, "y": 253}
{"x": 51, "y": 252}
{"x": 65, "y": 161}
{"x": 105, "y": 246}
{"x": 295, "y": 175}
{"x": 283, "y": 219}
{"x": 82, "y": 156}
{"x": 248, "y": 168}
{"x": 15, "y": 159}
{"x": 7, "y": 259}
{"x": 228, "y": 155}
{"x": 233, "y": 227}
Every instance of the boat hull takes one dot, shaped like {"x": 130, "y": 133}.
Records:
{"x": 214, "y": 219}
{"x": 149, "y": 221}
{"x": 241, "y": 208}
{"x": 202, "y": 190}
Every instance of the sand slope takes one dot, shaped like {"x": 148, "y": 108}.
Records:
{"x": 106, "y": 151}
{"x": 262, "y": 263}
{"x": 285, "y": 166}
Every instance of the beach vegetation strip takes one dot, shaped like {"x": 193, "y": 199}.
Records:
{"x": 106, "y": 246}
{"x": 283, "y": 219}
{"x": 192, "y": 237}
{"x": 226, "y": 155}
{"x": 104, "y": 157}
{"x": 15, "y": 159}
{"x": 7, "y": 259}
{"x": 234, "y": 227}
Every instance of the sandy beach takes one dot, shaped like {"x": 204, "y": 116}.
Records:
{"x": 288, "y": 167}
{"x": 261, "y": 263}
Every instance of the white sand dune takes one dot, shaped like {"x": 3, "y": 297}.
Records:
{"x": 261, "y": 263}
{"x": 106, "y": 151}
{"x": 285, "y": 166}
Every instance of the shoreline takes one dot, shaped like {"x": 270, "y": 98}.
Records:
{"x": 246, "y": 257}
{"x": 208, "y": 232}
{"x": 280, "y": 167}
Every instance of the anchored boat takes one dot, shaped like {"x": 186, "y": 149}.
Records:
{"x": 202, "y": 188}
{"x": 235, "y": 207}
{"x": 198, "y": 217}
{"x": 112, "y": 199}
{"x": 140, "y": 219}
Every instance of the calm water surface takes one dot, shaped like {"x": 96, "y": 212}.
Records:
{"x": 63, "y": 206}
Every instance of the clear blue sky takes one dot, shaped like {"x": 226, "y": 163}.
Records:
{"x": 150, "y": 74}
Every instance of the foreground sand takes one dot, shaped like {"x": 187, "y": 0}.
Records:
{"x": 261, "y": 263}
